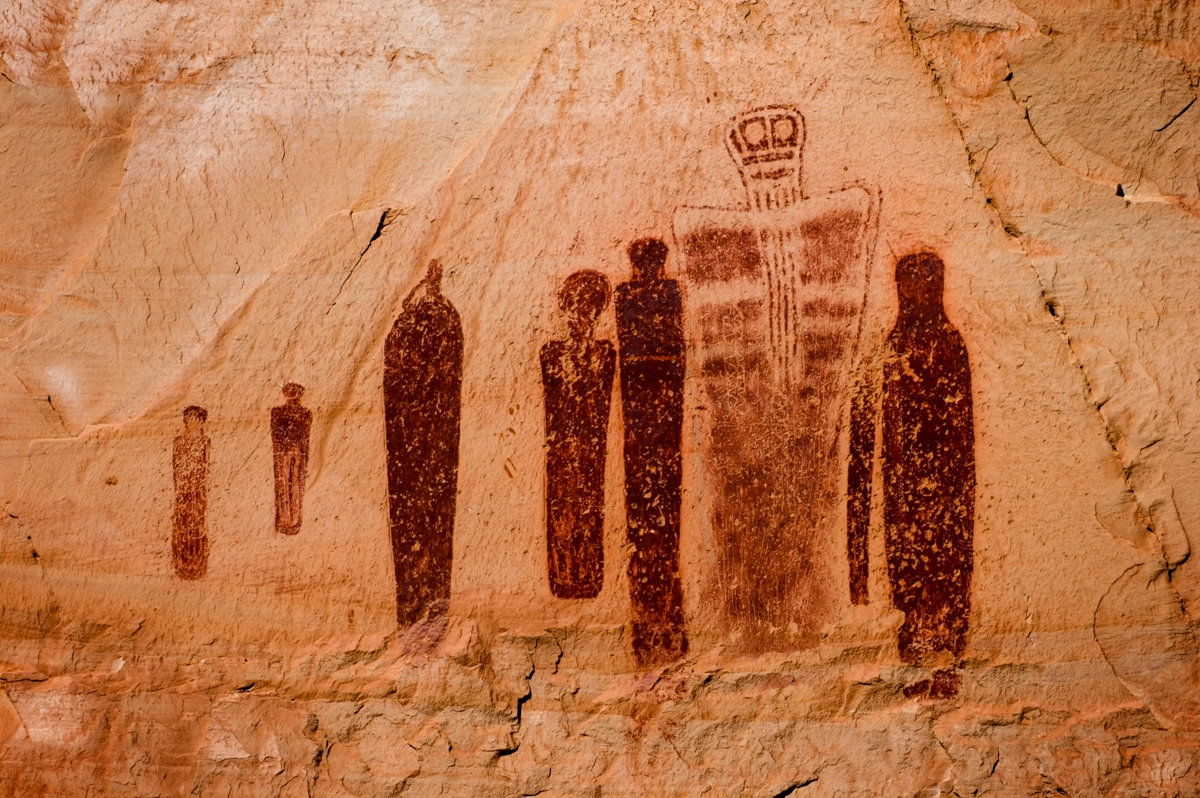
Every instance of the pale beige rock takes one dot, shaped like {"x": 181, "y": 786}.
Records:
{"x": 206, "y": 202}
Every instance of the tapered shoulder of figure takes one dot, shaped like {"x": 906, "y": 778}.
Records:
{"x": 426, "y": 304}
{"x": 429, "y": 310}
{"x": 431, "y": 324}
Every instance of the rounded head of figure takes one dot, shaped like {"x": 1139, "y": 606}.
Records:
{"x": 648, "y": 256}
{"x": 582, "y": 297}
{"x": 193, "y": 417}
{"x": 919, "y": 281}
{"x": 293, "y": 391}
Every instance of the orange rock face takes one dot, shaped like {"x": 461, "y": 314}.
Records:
{"x": 713, "y": 398}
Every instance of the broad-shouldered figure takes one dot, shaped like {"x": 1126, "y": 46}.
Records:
{"x": 577, "y": 379}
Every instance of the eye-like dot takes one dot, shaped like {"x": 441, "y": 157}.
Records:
{"x": 785, "y": 129}
{"x": 755, "y": 133}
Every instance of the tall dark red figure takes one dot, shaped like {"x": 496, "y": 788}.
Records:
{"x": 577, "y": 378}
{"x": 422, "y": 392}
{"x": 928, "y": 464}
{"x": 652, "y": 356}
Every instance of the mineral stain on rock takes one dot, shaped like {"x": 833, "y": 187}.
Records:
{"x": 422, "y": 392}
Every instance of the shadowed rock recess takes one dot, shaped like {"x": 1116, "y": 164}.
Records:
{"x": 587, "y": 398}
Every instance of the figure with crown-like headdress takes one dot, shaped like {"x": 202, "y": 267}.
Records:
{"x": 775, "y": 296}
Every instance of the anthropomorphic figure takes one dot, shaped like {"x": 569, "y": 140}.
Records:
{"x": 775, "y": 296}
{"x": 290, "y": 427}
{"x": 190, "y": 461}
{"x": 577, "y": 378}
{"x": 652, "y": 358}
{"x": 422, "y": 392}
{"x": 928, "y": 465}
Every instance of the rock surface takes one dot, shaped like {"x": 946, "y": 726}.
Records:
{"x": 206, "y": 202}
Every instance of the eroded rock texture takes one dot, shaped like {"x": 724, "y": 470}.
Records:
{"x": 894, "y": 482}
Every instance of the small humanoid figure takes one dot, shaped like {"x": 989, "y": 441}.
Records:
{"x": 290, "y": 427}
{"x": 189, "y": 543}
{"x": 577, "y": 377}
